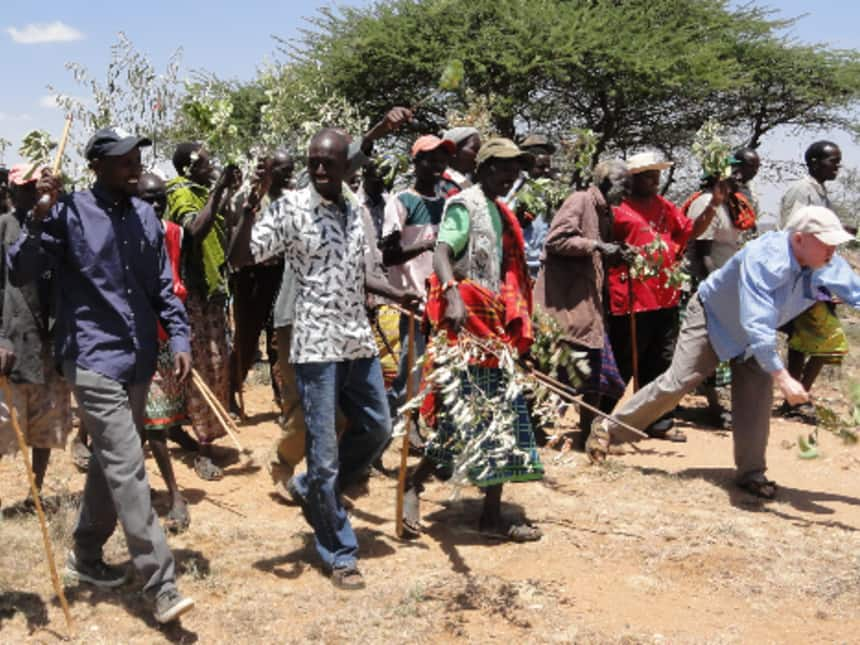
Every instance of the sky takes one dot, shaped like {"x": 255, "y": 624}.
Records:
{"x": 232, "y": 39}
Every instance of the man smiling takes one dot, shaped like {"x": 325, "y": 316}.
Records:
{"x": 114, "y": 286}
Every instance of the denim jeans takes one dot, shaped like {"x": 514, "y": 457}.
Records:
{"x": 357, "y": 385}
{"x": 397, "y": 393}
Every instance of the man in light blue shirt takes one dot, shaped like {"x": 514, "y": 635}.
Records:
{"x": 735, "y": 316}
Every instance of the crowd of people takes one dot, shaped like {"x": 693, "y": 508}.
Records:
{"x": 115, "y": 294}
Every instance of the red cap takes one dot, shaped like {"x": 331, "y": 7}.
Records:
{"x": 430, "y": 142}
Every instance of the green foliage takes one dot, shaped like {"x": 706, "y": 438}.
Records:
{"x": 635, "y": 73}
{"x": 452, "y": 77}
{"x": 542, "y": 197}
{"x": 650, "y": 262}
{"x": 4, "y": 145}
{"x": 224, "y": 115}
{"x": 712, "y": 151}
{"x": 133, "y": 96}
{"x": 36, "y": 147}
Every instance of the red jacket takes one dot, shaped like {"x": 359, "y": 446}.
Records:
{"x": 637, "y": 222}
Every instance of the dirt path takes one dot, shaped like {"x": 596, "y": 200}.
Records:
{"x": 655, "y": 547}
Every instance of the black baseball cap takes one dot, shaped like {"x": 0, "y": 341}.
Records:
{"x": 113, "y": 142}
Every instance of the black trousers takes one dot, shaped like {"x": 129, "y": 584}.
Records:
{"x": 656, "y": 333}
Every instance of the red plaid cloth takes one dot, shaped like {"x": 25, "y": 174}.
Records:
{"x": 506, "y": 316}
{"x": 173, "y": 246}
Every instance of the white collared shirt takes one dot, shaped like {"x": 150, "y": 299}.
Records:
{"x": 325, "y": 248}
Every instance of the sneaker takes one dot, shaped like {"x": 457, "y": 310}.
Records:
{"x": 170, "y": 605}
{"x": 98, "y": 573}
{"x": 348, "y": 578}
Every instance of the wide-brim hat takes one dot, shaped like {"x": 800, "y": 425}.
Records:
{"x": 538, "y": 144}
{"x": 500, "y": 148}
{"x": 645, "y": 161}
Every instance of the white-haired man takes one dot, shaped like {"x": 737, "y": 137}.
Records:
{"x": 735, "y": 316}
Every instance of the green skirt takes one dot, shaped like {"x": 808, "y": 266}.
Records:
{"x": 494, "y": 466}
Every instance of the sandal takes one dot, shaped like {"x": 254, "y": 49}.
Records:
{"x": 519, "y": 533}
{"x": 759, "y": 486}
{"x": 664, "y": 430}
{"x": 178, "y": 519}
{"x": 207, "y": 470}
{"x": 597, "y": 444}
{"x": 348, "y": 578}
{"x": 80, "y": 455}
{"x": 411, "y": 514}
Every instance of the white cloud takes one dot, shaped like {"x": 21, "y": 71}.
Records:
{"x": 48, "y": 101}
{"x": 23, "y": 116}
{"x": 47, "y": 32}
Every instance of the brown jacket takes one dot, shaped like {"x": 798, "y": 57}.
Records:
{"x": 570, "y": 284}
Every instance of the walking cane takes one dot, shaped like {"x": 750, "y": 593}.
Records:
{"x": 6, "y": 388}
{"x": 404, "y": 448}
{"x": 635, "y": 353}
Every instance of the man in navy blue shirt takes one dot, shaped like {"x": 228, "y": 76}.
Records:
{"x": 114, "y": 284}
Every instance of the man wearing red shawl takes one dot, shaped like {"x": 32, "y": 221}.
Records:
{"x": 640, "y": 219}
{"x": 481, "y": 287}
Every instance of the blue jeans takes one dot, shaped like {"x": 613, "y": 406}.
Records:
{"x": 397, "y": 393}
{"x": 358, "y": 387}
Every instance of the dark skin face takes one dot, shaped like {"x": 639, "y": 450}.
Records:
{"x": 827, "y": 167}
{"x": 282, "y": 171}
{"x": 119, "y": 175}
{"x": 201, "y": 170}
{"x": 430, "y": 165}
{"x": 153, "y": 191}
{"x": 464, "y": 161}
{"x": 24, "y": 197}
{"x": 542, "y": 167}
{"x": 328, "y": 165}
{"x": 374, "y": 186}
{"x": 646, "y": 184}
{"x": 748, "y": 168}
{"x": 498, "y": 175}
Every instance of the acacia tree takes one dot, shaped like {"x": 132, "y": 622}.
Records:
{"x": 635, "y": 72}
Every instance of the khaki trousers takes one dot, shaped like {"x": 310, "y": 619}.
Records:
{"x": 694, "y": 360}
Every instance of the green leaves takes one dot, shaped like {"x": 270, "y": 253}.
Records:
{"x": 36, "y": 147}
{"x": 712, "y": 151}
{"x": 452, "y": 77}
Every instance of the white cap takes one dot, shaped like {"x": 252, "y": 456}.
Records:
{"x": 821, "y": 222}
{"x": 645, "y": 161}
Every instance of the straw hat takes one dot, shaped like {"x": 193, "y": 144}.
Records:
{"x": 645, "y": 161}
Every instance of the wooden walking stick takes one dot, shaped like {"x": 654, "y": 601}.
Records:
{"x": 217, "y": 409}
{"x": 404, "y": 448}
{"x": 6, "y": 388}
{"x": 634, "y": 354}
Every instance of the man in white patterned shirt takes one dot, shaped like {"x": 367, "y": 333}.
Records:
{"x": 320, "y": 235}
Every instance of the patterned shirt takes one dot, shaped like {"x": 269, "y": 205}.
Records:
{"x": 325, "y": 248}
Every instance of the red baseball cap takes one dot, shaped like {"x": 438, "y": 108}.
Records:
{"x": 430, "y": 142}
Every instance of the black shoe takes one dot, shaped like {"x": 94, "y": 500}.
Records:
{"x": 98, "y": 573}
{"x": 170, "y": 605}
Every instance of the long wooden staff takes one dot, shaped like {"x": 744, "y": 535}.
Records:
{"x": 564, "y": 391}
{"x": 633, "y": 343}
{"x": 217, "y": 409}
{"x": 404, "y": 448}
{"x": 6, "y": 388}
{"x": 58, "y": 159}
